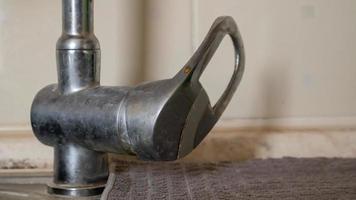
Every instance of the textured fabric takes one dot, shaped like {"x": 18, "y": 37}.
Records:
{"x": 288, "y": 178}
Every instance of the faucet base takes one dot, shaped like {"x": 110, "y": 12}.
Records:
{"x": 86, "y": 191}
{"x": 78, "y": 171}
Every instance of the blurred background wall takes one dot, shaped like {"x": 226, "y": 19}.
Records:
{"x": 300, "y": 69}
{"x": 301, "y": 59}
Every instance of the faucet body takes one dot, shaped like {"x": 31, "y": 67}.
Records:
{"x": 83, "y": 121}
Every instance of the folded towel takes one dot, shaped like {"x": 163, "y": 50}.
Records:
{"x": 287, "y": 178}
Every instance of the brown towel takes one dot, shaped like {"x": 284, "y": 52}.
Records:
{"x": 288, "y": 178}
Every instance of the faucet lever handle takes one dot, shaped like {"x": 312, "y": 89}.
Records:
{"x": 201, "y": 58}
{"x": 202, "y": 111}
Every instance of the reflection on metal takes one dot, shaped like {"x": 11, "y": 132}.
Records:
{"x": 33, "y": 192}
{"x": 161, "y": 120}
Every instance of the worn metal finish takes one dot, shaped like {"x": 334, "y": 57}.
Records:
{"x": 75, "y": 191}
{"x": 73, "y": 159}
{"x": 78, "y": 50}
{"x": 161, "y": 120}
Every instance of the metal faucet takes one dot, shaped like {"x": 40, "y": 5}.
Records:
{"x": 160, "y": 121}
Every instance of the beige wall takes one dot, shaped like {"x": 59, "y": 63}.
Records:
{"x": 300, "y": 55}
{"x": 301, "y": 59}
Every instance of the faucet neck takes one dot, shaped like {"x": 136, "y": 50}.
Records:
{"x": 78, "y": 50}
{"x": 78, "y": 17}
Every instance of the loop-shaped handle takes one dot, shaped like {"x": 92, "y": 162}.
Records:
{"x": 201, "y": 58}
{"x": 202, "y": 116}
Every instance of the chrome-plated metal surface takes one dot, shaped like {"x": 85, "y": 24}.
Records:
{"x": 203, "y": 115}
{"x": 30, "y": 186}
{"x": 72, "y": 159}
{"x": 161, "y": 120}
{"x": 78, "y": 50}
{"x": 78, "y": 26}
{"x": 35, "y": 192}
{"x": 77, "y": 70}
{"x": 75, "y": 191}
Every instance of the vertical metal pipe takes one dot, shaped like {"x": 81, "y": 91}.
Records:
{"x": 93, "y": 166}
{"x": 78, "y": 68}
{"x": 78, "y": 171}
{"x": 78, "y": 50}
{"x": 78, "y": 17}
